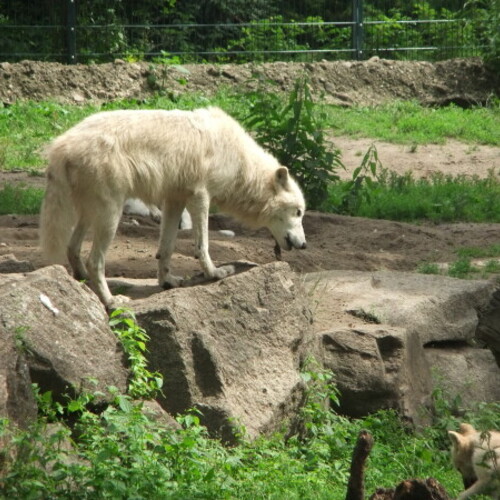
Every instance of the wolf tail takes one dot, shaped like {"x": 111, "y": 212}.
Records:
{"x": 57, "y": 216}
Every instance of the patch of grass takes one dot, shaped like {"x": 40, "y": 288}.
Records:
{"x": 428, "y": 268}
{"x": 442, "y": 198}
{"x": 26, "y": 126}
{"x": 463, "y": 267}
{"x": 410, "y": 123}
{"x": 479, "y": 253}
{"x": 20, "y": 199}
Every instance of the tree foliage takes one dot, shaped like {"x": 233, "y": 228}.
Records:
{"x": 241, "y": 30}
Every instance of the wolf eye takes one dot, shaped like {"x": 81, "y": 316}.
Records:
{"x": 299, "y": 213}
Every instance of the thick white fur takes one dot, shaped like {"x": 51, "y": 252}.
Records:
{"x": 171, "y": 159}
{"x": 477, "y": 456}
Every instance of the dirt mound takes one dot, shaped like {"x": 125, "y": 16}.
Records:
{"x": 463, "y": 81}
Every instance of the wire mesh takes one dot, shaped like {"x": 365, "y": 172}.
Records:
{"x": 236, "y": 30}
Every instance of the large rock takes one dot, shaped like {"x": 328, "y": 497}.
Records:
{"x": 374, "y": 328}
{"x": 378, "y": 367}
{"x": 54, "y": 331}
{"x": 488, "y": 330}
{"x": 232, "y": 348}
{"x": 467, "y": 372}
{"x": 16, "y": 396}
{"x": 438, "y": 308}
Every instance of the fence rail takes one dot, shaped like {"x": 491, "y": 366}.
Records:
{"x": 96, "y": 30}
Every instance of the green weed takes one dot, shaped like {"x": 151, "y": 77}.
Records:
{"x": 143, "y": 383}
{"x": 442, "y": 198}
{"x": 20, "y": 200}
{"x": 428, "y": 268}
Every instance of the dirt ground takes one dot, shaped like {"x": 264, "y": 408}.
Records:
{"x": 334, "y": 242}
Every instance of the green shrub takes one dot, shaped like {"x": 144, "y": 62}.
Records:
{"x": 294, "y": 133}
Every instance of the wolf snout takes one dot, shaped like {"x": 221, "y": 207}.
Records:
{"x": 294, "y": 242}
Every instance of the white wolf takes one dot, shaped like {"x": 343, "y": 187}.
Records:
{"x": 171, "y": 159}
{"x": 477, "y": 456}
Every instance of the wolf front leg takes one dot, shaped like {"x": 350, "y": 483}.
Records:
{"x": 478, "y": 487}
{"x": 171, "y": 216}
{"x": 199, "y": 206}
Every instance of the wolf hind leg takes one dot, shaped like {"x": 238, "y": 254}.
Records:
{"x": 74, "y": 250}
{"x": 171, "y": 216}
{"x": 104, "y": 231}
{"x": 198, "y": 207}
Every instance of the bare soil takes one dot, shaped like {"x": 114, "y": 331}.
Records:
{"x": 334, "y": 242}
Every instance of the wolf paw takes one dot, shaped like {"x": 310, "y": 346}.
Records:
{"x": 117, "y": 302}
{"x": 224, "y": 271}
{"x": 171, "y": 282}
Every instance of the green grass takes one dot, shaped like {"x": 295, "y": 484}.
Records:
{"x": 123, "y": 454}
{"x": 26, "y": 126}
{"x": 441, "y": 198}
{"x": 463, "y": 267}
{"x": 20, "y": 199}
{"x": 411, "y": 123}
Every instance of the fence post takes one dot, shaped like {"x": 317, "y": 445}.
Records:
{"x": 71, "y": 31}
{"x": 357, "y": 31}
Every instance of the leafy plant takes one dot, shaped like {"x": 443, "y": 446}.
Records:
{"x": 347, "y": 197}
{"x": 143, "y": 384}
{"x": 428, "y": 268}
{"x": 294, "y": 133}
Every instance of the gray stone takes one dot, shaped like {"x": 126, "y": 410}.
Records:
{"x": 465, "y": 371}
{"x": 374, "y": 327}
{"x": 232, "y": 348}
{"x": 59, "y": 329}
{"x": 437, "y": 308}
{"x": 488, "y": 330}
{"x": 378, "y": 367}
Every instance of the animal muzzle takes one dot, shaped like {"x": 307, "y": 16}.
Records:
{"x": 294, "y": 242}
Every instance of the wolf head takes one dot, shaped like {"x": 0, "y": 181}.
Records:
{"x": 462, "y": 451}
{"x": 284, "y": 211}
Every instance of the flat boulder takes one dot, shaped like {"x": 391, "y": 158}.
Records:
{"x": 374, "y": 330}
{"x": 378, "y": 367}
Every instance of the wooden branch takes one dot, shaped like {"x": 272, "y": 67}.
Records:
{"x": 356, "y": 485}
{"x": 409, "y": 489}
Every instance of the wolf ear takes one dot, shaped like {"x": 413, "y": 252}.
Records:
{"x": 455, "y": 437}
{"x": 466, "y": 429}
{"x": 282, "y": 176}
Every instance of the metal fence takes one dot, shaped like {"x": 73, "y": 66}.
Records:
{"x": 102, "y": 30}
